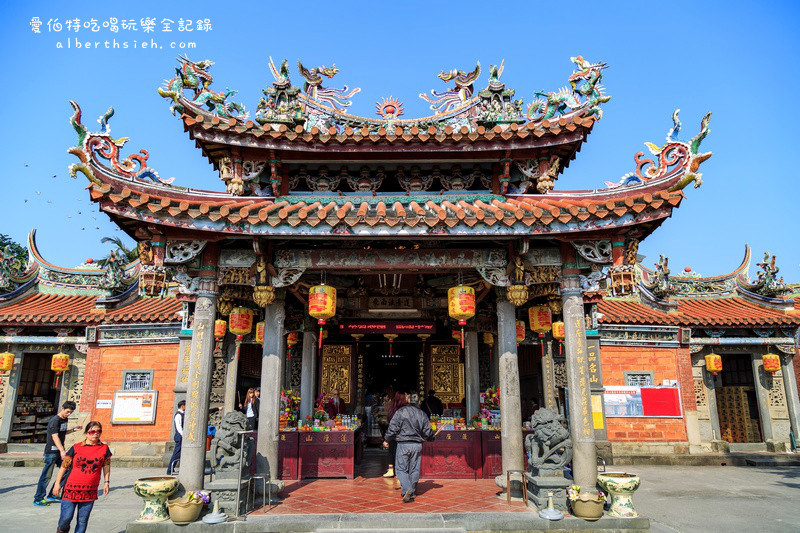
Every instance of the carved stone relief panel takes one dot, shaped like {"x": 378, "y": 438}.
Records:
{"x": 700, "y": 392}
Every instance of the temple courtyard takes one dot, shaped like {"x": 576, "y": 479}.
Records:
{"x": 684, "y": 499}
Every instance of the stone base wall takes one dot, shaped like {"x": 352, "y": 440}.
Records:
{"x": 650, "y": 448}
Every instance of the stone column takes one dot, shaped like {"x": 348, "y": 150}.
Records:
{"x": 271, "y": 381}
{"x": 471, "y": 377}
{"x": 549, "y": 379}
{"x": 584, "y": 461}
{"x": 762, "y": 395}
{"x": 308, "y": 380}
{"x": 510, "y": 407}
{"x": 12, "y": 386}
{"x": 709, "y": 382}
{"x": 790, "y": 390}
{"x": 201, "y": 367}
{"x": 231, "y": 375}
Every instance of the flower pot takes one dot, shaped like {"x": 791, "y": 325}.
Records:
{"x": 154, "y": 491}
{"x": 620, "y": 486}
{"x": 588, "y": 509}
{"x": 182, "y": 511}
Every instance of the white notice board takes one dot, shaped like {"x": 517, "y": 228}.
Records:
{"x": 134, "y": 407}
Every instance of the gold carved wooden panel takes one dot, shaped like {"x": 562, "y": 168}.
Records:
{"x": 447, "y": 373}
{"x": 336, "y": 365}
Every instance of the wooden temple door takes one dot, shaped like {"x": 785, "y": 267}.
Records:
{"x": 737, "y": 405}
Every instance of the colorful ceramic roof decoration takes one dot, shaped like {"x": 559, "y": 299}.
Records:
{"x": 689, "y": 299}
{"x": 481, "y": 165}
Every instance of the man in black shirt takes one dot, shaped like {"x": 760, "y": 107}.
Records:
{"x": 409, "y": 427}
{"x": 54, "y": 451}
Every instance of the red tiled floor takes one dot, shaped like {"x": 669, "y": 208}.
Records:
{"x": 371, "y": 493}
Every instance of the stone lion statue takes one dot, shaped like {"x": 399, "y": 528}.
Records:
{"x": 225, "y": 446}
{"x": 549, "y": 447}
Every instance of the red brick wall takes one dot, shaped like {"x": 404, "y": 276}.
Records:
{"x": 665, "y": 363}
{"x": 162, "y": 359}
{"x": 91, "y": 378}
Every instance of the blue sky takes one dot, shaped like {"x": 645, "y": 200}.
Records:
{"x": 736, "y": 59}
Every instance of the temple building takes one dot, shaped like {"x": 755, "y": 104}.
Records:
{"x": 425, "y": 253}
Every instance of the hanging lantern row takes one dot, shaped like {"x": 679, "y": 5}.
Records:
{"x": 520, "y": 327}
{"x": 241, "y": 324}
{"x": 59, "y": 363}
{"x": 461, "y": 305}
{"x": 6, "y": 361}
{"x": 321, "y": 305}
{"x": 713, "y": 363}
{"x": 772, "y": 362}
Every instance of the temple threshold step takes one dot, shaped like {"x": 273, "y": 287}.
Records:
{"x": 404, "y": 530}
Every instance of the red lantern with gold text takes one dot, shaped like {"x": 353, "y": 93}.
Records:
{"x": 772, "y": 362}
{"x": 220, "y": 327}
{"x": 559, "y": 334}
{"x": 540, "y": 320}
{"x": 321, "y": 305}
{"x": 241, "y": 323}
{"x": 520, "y": 328}
{"x": 59, "y": 363}
{"x": 6, "y": 361}
{"x": 461, "y": 305}
{"x": 713, "y": 363}
{"x": 260, "y": 332}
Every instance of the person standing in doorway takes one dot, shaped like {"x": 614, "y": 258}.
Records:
{"x": 400, "y": 400}
{"x": 336, "y": 405}
{"x": 177, "y": 429}
{"x": 257, "y": 406}
{"x": 89, "y": 460}
{"x": 54, "y": 451}
{"x": 409, "y": 428}
{"x": 250, "y": 408}
{"x": 432, "y": 405}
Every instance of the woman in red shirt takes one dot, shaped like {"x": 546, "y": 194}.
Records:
{"x": 88, "y": 459}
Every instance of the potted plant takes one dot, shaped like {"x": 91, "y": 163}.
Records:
{"x": 586, "y": 505}
{"x": 187, "y": 509}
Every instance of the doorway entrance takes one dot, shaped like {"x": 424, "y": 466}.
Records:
{"x": 737, "y": 403}
{"x": 37, "y": 400}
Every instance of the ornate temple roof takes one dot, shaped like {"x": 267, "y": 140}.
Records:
{"x": 41, "y": 293}
{"x": 689, "y": 299}
{"x": 260, "y": 197}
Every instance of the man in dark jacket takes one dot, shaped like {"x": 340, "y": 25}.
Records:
{"x": 432, "y": 405}
{"x": 409, "y": 427}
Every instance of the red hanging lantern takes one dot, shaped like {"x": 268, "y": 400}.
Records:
{"x": 6, "y": 361}
{"x": 241, "y": 323}
{"x": 321, "y": 305}
{"x": 292, "y": 338}
{"x": 713, "y": 363}
{"x": 558, "y": 333}
{"x": 59, "y": 363}
{"x": 772, "y": 362}
{"x": 461, "y": 305}
{"x": 391, "y": 337}
{"x": 520, "y": 327}
{"x": 488, "y": 339}
{"x": 220, "y": 327}
{"x": 260, "y": 332}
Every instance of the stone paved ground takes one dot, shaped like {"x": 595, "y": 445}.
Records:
{"x": 685, "y": 499}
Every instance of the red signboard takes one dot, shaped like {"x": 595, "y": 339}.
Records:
{"x": 661, "y": 401}
{"x": 388, "y": 326}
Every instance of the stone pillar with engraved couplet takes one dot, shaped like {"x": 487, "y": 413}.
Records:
{"x": 580, "y": 399}
{"x": 271, "y": 381}
{"x": 231, "y": 375}
{"x": 762, "y": 396}
{"x": 549, "y": 379}
{"x": 790, "y": 389}
{"x": 308, "y": 379}
{"x": 510, "y": 406}
{"x": 473, "y": 389}
{"x": 201, "y": 366}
